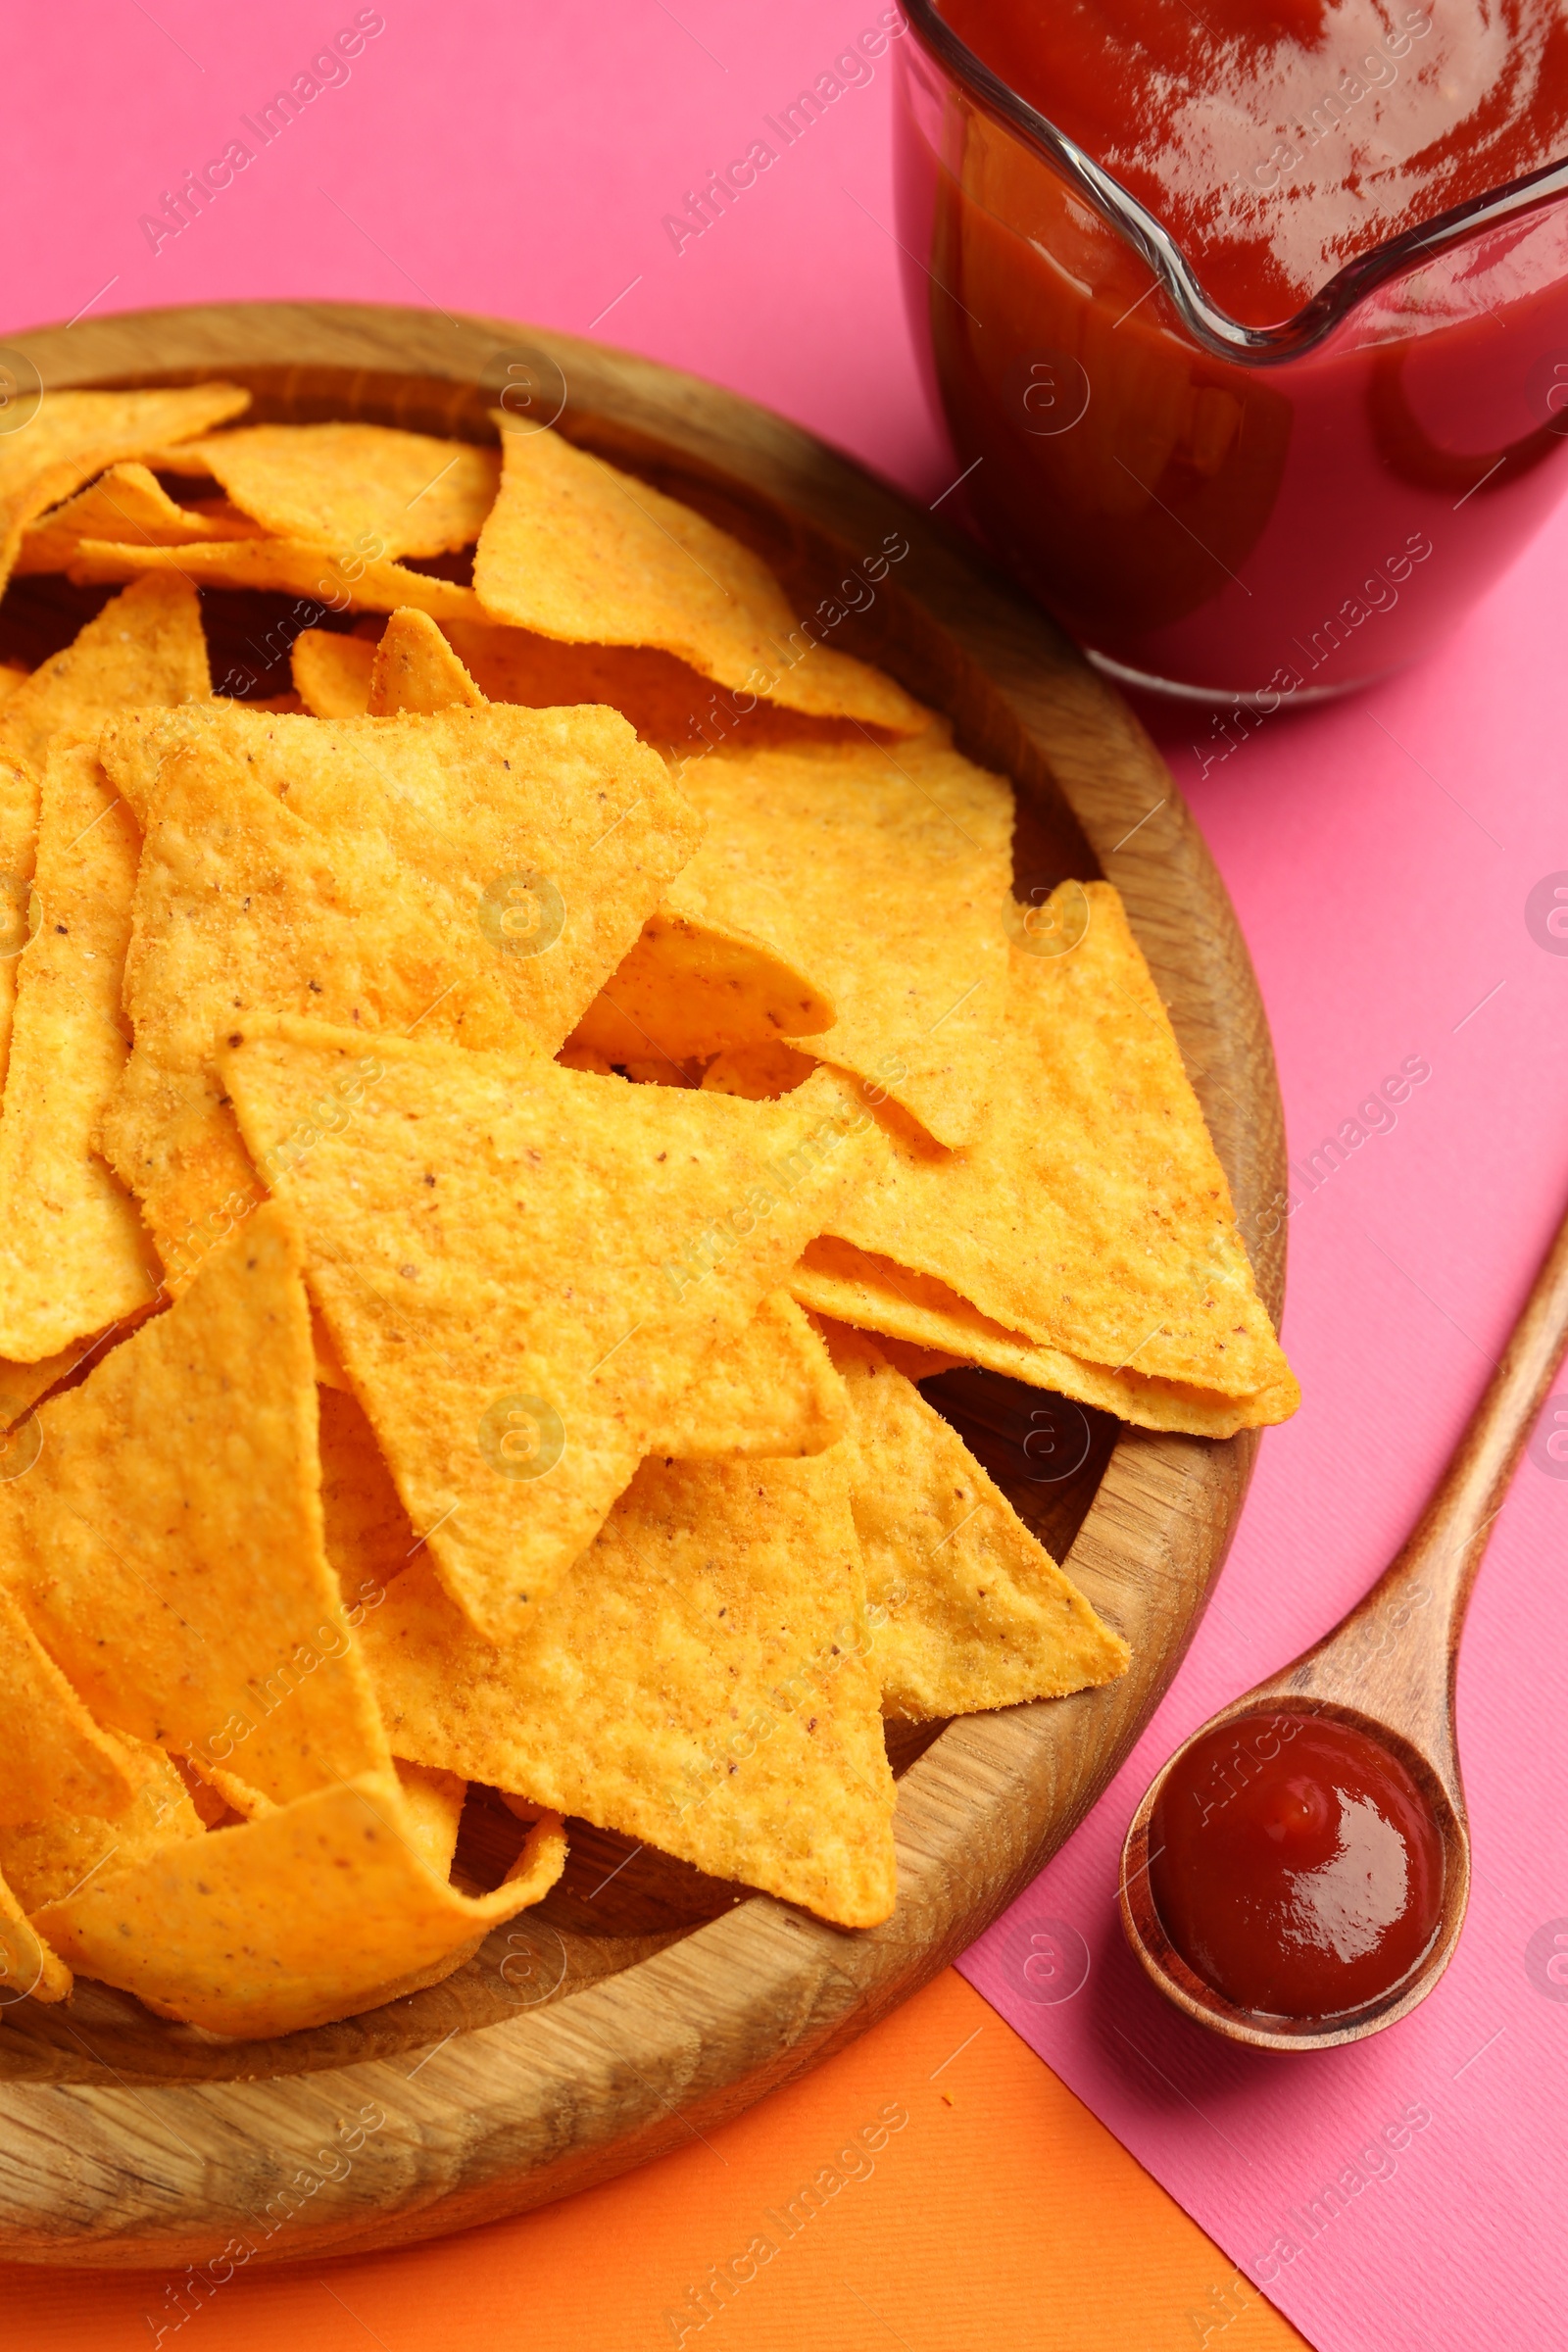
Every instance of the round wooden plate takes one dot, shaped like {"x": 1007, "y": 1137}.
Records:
{"x": 642, "y": 2003}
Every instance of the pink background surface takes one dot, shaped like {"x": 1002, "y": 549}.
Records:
{"x": 519, "y": 163}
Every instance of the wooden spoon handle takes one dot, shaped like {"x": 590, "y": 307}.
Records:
{"x": 1396, "y": 1653}
{"x": 1446, "y": 1546}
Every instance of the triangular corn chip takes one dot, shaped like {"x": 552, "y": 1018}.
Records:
{"x": 127, "y": 503}
{"x": 74, "y": 435}
{"x": 690, "y": 989}
{"x": 919, "y": 1364}
{"x": 321, "y": 1908}
{"x": 167, "y": 1542}
{"x": 700, "y": 1681}
{"x": 969, "y": 1610}
{"x": 144, "y": 647}
{"x": 49, "y": 1858}
{"x": 1092, "y": 1214}
{"x": 432, "y": 1806}
{"x": 19, "y": 843}
{"x": 54, "y": 1756}
{"x": 474, "y": 876}
{"x": 908, "y": 855}
{"x": 21, "y": 1384}
{"x": 329, "y": 1372}
{"x": 416, "y": 670}
{"x": 757, "y": 1073}
{"x": 12, "y": 675}
{"x": 27, "y": 1963}
{"x": 184, "y": 461}
{"x": 671, "y": 704}
{"x": 369, "y": 1538}
{"x": 911, "y": 1310}
{"x": 347, "y": 580}
{"x": 73, "y": 1253}
{"x": 578, "y": 550}
{"x": 336, "y": 483}
{"x": 332, "y": 672}
{"x": 770, "y": 1393}
{"x": 518, "y": 1314}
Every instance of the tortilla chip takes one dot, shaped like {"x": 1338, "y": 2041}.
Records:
{"x": 687, "y": 990}
{"x": 12, "y": 675}
{"x": 220, "y": 1796}
{"x": 757, "y": 1073}
{"x": 127, "y": 503}
{"x": 574, "y": 1056}
{"x": 344, "y": 580}
{"x": 432, "y": 1803}
{"x": 347, "y": 484}
{"x": 771, "y": 1393}
{"x": 167, "y": 1543}
{"x": 1092, "y": 1214}
{"x": 45, "y": 1860}
{"x": 212, "y": 1809}
{"x": 19, "y": 912}
{"x": 369, "y": 1538}
{"x": 74, "y": 1252}
{"x": 699, "y": 1680}
{"x": 329, "y": 1372}
{"x": 75, "y": 435}
{"x": 967, "y": 1609}
{"x": 920, "y": 1364}
{"x": 332, "y": 673}
{"x": 185, "y": 461}
{"x": 377, "y": 872}
{"x": 574, "y": 549}
{"x": 26, "y": 1964}
{"x": 671, "y": 705}
{"x": 289, "y": 704}
{"x": 317, "y": 1910}
{"x": 518, "y": 1318}
{"x": 22, "y": 1386}
{"x": 144, "y": 647}
{"x": 55, "y": 1758}
{"x": 907, "y": 854}
{"x": 662, "y": 697}
{"x": 416, "y": 670}
{"x": 874, "y": 1295}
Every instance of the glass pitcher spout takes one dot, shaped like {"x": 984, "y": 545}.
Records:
{"x": 1245, "y": 512}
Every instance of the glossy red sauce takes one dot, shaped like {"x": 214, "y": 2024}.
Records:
{"x": 1263, "y": 531}
{"x": 1296, "y": 1866}
{"x": 1278, "y": 139}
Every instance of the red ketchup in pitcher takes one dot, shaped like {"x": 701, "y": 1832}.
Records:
{"x": 1257, "y": 530}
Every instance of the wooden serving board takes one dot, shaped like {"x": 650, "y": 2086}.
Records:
{"x": 642, "y": 2003}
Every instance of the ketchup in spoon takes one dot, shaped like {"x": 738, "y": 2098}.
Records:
{"x": 1295, "y": 1865}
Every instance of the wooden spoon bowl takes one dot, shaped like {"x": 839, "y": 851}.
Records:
{"x": 1145, "y": 1929}
{"x": 1388, "y": 1671}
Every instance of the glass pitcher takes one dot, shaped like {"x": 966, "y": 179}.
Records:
{"x": 1227, "y": 513}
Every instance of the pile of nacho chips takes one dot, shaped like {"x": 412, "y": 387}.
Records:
{"x": 491, "y": 1140}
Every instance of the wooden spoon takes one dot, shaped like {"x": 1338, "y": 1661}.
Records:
{"x": 1387, "y": 1669}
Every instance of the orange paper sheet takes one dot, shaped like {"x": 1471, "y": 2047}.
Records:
{"x": 999, "y": 2213}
